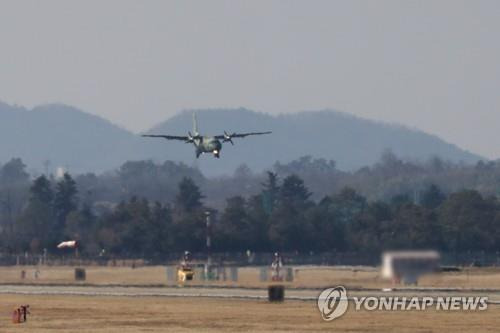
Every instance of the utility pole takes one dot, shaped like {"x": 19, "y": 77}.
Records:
{"x": 208, "y": 243}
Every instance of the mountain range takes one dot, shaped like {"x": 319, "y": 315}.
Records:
{"x": 59, "y": 135}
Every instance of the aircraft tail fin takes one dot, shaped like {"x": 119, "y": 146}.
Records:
{"x": 195, "y": 124}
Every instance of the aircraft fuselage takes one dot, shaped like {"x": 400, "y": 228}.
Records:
{"x": 207, "y": 144}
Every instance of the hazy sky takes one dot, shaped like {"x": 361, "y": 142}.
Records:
{"x": 434, "y": 65}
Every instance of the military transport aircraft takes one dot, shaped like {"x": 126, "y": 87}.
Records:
{"x": 205, "y": 144}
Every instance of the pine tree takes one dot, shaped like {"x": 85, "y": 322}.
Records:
{"x": 65, "y": 201}
{"x": 189, "y": 197}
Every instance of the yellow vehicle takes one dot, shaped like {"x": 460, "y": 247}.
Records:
{"x": 185, "y": 274}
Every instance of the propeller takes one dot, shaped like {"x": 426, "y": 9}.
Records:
{"x": 228, "y": 138}
{"x": 190, "y": 137}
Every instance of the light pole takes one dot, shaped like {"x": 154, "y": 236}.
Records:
{"x": 209, "y": 233}
{"x": 208, "y": 242}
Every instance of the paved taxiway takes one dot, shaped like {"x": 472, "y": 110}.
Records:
{"x": 239, "y": 293}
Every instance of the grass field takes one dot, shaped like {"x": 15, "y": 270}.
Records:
{"x": 175, "y": 314}
{"x": 120, "y": 314}
{"x": 249, "y": 277}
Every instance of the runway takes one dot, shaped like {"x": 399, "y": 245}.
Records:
{"x": 230, "y": 293}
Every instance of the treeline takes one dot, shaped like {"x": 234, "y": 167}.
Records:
{"x": 282, "y": 215}
{"x": 390, "y": 177}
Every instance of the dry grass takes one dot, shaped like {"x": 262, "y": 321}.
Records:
{"x": 160, "y": 314}
{"x": 248, "y": 277}
{"x": 119, "y": 314}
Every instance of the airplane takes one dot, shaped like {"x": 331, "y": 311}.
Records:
{"x": 205, "y": 144}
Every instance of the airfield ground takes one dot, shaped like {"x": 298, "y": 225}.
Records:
{"x": 153, "y": 314}
{"x": 305, "y": 277}
{"x": 122, "y": 301}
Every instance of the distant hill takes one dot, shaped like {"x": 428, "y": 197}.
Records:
{"x": 66, "y": 137}
{"x": 71, "y": 138}
{"x": 351, "y": 141}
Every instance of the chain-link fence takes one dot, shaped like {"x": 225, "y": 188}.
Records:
{"x": 242, "y": 259}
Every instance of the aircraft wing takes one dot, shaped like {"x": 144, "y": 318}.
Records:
{"x": 239, "y": 135}
{"x": 168, "y": 137}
